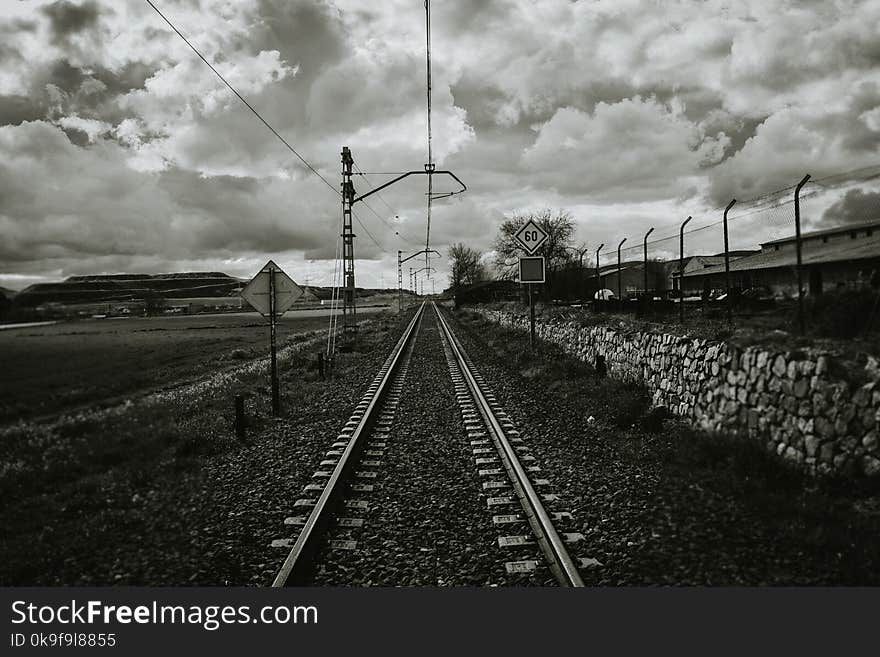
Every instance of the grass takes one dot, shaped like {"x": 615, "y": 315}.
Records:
{"x": 50, "y": 369}
{"x": 847, "y": 323}
{"x": 178, "y": 426}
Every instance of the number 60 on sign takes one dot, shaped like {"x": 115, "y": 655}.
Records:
{"x": 531, "y": 237}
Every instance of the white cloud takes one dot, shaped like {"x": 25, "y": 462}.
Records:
{"x": 634, "y": 149}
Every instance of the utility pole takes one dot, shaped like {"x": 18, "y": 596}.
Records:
{"x": 619, "y": 278}
{"x": 646, "y": 263}
{"x": 349, "y": 308}
{"x": 681, "y": 271}
{"x": 800, "y": 267}
{"x": 276, "y": 397}
{"x": 727, "y": 265}
{"x": 399, "y": 284}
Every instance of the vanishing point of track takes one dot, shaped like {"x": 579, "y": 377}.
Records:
{"x": 348, "y": 471}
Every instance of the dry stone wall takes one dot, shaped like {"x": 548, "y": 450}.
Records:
{"x": 790, "y": 401}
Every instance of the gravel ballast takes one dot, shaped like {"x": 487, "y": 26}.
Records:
{"x": 428, "y": 524}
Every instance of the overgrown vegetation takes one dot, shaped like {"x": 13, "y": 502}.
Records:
{"x": 845, "y": 314}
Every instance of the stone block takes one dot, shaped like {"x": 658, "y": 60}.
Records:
{"x": 761, "y": 359}
{"x": 780, "y": 367}
{"x": 870, "y": 466}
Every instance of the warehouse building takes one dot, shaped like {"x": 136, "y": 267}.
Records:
{"x": 699, "y": 263}
{"x": 842, "y": 257}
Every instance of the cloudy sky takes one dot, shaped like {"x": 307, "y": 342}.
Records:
{"x": 120, "y": 151}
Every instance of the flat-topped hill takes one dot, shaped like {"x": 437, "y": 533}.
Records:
{"x": 107, "y": 288}
{"x": 130, "y": 287}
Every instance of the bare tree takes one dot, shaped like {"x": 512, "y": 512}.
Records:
{"x": 559, "y": 227}
{"x": 466, "y": 266}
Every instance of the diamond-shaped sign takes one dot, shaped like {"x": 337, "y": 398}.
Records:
{"x": 256, "y": 292}
{"x": 531, "y": 236}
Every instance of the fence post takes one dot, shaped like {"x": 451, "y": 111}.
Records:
{"x": 598, "y": 276}
{"x": 619, "y": 284}
{"x": 681, "y": 271}
{"x": 800, "y": 268}
{"x": 646, "y": 264}
{"x": 727, "y": 266}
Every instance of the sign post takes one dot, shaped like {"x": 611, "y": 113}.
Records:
{"x": 531, "y": 269}
{"x": 276, "y": 397}
{"x": 271, "y": 292}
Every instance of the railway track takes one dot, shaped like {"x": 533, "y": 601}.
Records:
{"x": 338, "y": 503}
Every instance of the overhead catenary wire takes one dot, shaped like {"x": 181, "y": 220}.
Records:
{"x": 384, "y": 202}
{"x": 430, "y": 165}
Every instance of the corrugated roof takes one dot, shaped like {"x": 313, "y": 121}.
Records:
{"x": 828, "y": 231}
{"x": 603, "y": 269}
{"x": 859, "y": 249}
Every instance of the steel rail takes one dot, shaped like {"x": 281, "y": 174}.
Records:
{"x": 296, "y": 567}
{"x": 551, "y": 544}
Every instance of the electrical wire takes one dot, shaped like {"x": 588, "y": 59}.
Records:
{"x": 390, "y": 209}
{"x": 243, "y": 100}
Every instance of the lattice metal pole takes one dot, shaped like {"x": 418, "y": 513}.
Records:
{"x": 399, "y": 283}
{"x": 349, "y": 307}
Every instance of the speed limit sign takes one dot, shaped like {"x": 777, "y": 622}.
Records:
{"x": 531, "y": 236}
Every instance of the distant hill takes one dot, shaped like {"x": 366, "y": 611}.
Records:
{"x": 106, "y": 288}
{"x": 129, "y": 287}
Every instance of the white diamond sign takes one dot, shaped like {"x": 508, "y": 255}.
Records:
{"x": 531, "y": 236}
{"x": 257, "y": 291}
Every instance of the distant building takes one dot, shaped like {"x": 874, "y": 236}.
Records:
{"x": 699, "y": 263}
{"x": 632, "y": 277}
{"x": 847, "y": 256}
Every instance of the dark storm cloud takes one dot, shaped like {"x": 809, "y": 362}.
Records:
{"x": 60, "y": 88}
{"x": 856, "y": 207}
{"x": 310, "y": 35}
{"x": 67, "y": 19}
{"x": 15, "y": 109}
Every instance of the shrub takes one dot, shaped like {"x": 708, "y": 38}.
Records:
{"x": 844, "y": 314}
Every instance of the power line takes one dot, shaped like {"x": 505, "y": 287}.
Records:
{"x": 369, "y": 234}
{"x": 379, "y": 216}
{"x": 242, "y": 99}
